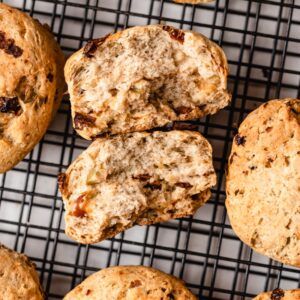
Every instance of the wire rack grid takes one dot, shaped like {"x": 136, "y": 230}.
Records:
{"x": 262, "y": 44}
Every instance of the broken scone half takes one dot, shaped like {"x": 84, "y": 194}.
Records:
{"x": 136, "y": 178}
{"x": 145, "y": 77}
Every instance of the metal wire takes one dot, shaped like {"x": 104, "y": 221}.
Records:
{"x": 261, "y": 41}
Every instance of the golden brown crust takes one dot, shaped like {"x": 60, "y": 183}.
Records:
{"x": 263, "y": 195}
{"x": 279, "y": 294}
{"x": 131, "y": 283}
{"x": 32, "y": 86}
{"x": 18, "y": 277}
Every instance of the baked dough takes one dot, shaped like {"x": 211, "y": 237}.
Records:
{"x": 18, "y": 277}
{"x": 31, "y": 84}
{"x": 263, "y": 194}
{"x": 131, "y": 283}
{"x": 138, "y": 178}
{"x": 145, "y": 77}
{"x": 279, "y": 294}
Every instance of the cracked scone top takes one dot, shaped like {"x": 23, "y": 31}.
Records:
{"x": 18, "y": 277}
{"x": 279, "y": 294}
{"x": 263, "y": 181}
{"x": 145, "y": 77}
{"x": 31, "y": 83}
{"x": 131, "y": 283}
{"x": 137, "y": 178}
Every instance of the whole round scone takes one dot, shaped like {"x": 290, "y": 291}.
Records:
{"x": 145, "y": 77}
{"x": 18, "y": 277}
{"x": 279, "y": 294}
{"x": 263, "y": 181}
{"x": 31, "y": 84}
{"x": 131, "y": 283}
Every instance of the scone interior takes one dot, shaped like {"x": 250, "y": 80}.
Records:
{"x": 18, "y": 277}
{"x": 137, "y": 178}
{"x": 279, "y": 294}
{"x": 31, "y": 83}
{"x": 131, "y": 283}
{"x": 263, "y": 195}
{"x": 145, "y": 77}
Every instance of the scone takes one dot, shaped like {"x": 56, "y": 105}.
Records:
{"x": 31, "y": 84}
{"x": 145, "y": 77}
{"x": 136, "y": 178}
{"x": 279, "y": 294}
{"x": 131, "y": 283}
{"x": 263, "y": 181}
{"x": 18, "y": 277}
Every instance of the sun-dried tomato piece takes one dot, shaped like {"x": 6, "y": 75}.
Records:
{"x": 8, "y": 45}
{"x": 174, "y": 33}
{"x": 79, "y": 207}
{"x": 135, "y": 283}
{"x": 240, "y": 140}
{"x": 81, "y": 121}
{"x": 183, "y": 109}
{"x": 92, "y": 45}
{"x": 142, "y": 177}
{"x": 2, "y": 37}
{"x": 10, "y": 105}
{"x": 252, "y": 168}
{"x": 50, "y": 77}
{"x": 153, "y": 186}
{"x": 171, "y": 296}
{"x": 277, "y": 294}
{"x": 14, "y": 50}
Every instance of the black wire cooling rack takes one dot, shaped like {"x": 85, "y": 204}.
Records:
{"x": 261, "y": 40}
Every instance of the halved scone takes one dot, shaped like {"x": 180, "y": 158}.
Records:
{"x": 145, "y": 77}
{"x": 137, "y": 178}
